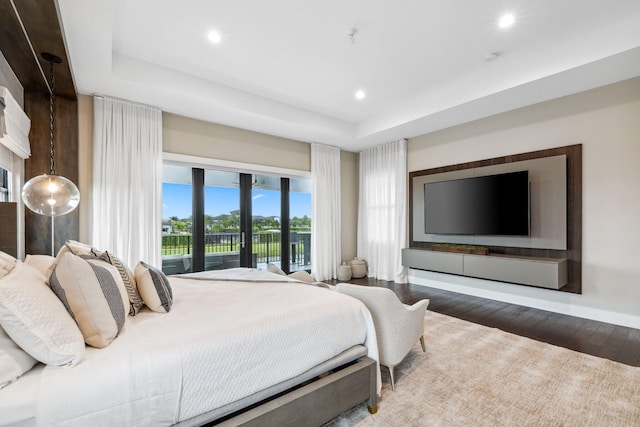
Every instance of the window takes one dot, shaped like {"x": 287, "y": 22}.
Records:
{"x": 4, "y": 185}
{"x": 214, "y": 219}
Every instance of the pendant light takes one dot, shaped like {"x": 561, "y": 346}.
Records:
{"x": 50, "y": 194}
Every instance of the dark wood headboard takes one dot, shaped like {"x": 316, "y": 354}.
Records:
{"x": 9, "y": 228}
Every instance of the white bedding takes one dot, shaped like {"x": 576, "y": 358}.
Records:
{"x": 222, "y": 341}
{"x": 18, "y": 401}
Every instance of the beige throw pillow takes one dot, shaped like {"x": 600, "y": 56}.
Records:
{"x": 7, "y": 264}
{"x": 302, "y": 275}
{"x": 42, "y": 263}
{"x": 272, "y": 268}
{"x": 36, "y": 320}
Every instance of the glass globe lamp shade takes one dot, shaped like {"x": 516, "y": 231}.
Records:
{"x": 51, "y": 195}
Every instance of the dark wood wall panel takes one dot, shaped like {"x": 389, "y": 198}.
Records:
{"x": 38, "y": 227}
{"x": 9, "y": 228}
{"x": 573, "y": 254}
{"x": 43, "y": 32}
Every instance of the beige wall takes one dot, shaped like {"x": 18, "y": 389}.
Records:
{"x": 349, "y": 177}
{"x": 182, "y": 135}
{"x": 193, "y": 137}
{"x": 607, "y": 122}
{"x": 85, "y": 165}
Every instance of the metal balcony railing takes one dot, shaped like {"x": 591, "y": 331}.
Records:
{"x": 265, "y": 247}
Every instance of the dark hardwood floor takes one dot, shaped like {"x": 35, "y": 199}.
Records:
{"x": 612, "y": 342}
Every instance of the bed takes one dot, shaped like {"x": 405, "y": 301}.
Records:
{"x": 238, "y": 347}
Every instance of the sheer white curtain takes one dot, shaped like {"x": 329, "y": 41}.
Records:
{"x": 382, "y": 210}
{"x": 127, "y": 180}
{"x": 325, "y": 211}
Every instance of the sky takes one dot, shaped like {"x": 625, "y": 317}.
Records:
{"x": 176, "y": 201}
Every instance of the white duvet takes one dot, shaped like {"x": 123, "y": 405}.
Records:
{"x": 221, "y": 341}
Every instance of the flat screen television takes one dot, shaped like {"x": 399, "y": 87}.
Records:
{"x": 494, "y": 205}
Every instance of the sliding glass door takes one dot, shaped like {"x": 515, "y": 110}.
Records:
{"x": 300, "y": 224}
{"x": 177, "y": 237}
{"x": 222, "y": 242}
{"x": 219, "y": 219}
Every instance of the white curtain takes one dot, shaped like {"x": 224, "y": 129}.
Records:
{"x": 127, "y": 180}
{"x": 382, "y": 210}
{"x": 325, "y": 216}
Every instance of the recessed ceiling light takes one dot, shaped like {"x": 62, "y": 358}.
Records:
{"x": 506, "y": 20}
{"x": 492, "y": 56}
{"x": 360, "y": 94}
{"x": 214, "y": 37}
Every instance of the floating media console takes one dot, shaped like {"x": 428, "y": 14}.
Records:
{"x": 533, "y": 271}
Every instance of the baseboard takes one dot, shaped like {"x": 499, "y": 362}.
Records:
{"x": 522, "y": 295}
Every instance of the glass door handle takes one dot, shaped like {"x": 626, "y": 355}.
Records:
{"x": 242, "y": 240}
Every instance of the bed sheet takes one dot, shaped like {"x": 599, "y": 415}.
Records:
{"x": 221, "y": 341}
{"x": 18, "y": 400}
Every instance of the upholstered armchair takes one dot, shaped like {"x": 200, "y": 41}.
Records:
{"x": 398, "y": 326}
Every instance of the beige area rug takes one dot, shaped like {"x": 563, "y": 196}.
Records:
{"x": 472, "y": 375}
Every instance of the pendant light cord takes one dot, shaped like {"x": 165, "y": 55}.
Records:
{"x": 52, "y": 95}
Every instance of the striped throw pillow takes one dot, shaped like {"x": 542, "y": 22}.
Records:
{"x": 129, "y": 280}
{"x": 94, "y": 294}
{"x": 154, "y": 287}
{"x": 72, "y": 246}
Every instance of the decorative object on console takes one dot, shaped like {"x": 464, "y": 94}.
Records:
{"x": 460, "y": 249}
{"x": 52, "y": 195}
{"x": 358, "y": 268}
{"x": 344, "y": 272}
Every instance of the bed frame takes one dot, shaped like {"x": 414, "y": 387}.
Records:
{"x": 312, "y": 404}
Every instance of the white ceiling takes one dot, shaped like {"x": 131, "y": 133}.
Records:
{"x": 288, "y": 67}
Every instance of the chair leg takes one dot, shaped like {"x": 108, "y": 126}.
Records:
{"x": 393, "y": 383}
{"x": 424, "y": 350}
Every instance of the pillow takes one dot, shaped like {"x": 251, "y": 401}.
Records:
{"x": 275, "y": 269}
{"x": 14, "y": 361}
{"x": 94, "y": 294}
{"x": 154, "y": 287}
{"x": 75, "y": 248}
{"x": 42, "y": 263}
{"x": 303, "y": 276}
{"x": 72, "y": 246}
{"x": 129, "y": 280}
{"x": 36, "y": 320}
{"x": 7, "y": 263}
